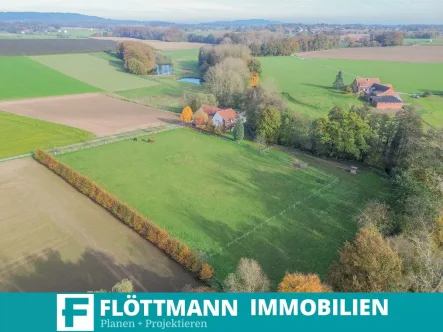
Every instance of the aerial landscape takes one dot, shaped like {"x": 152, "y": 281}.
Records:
{"x": 220, "y": 155}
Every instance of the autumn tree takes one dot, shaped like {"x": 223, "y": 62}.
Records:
{"x": 339, "y": 83}
{"x": 302, "y": 283}
{"x": 206, "y": 272}
{"x": 248, "y": 277}
{"x": 139, "y": 58}
{"x": 239, "y": 130}
{"x": 196, "y": 100}
{"x": 253, "y": 79}
{"x": 201, "y": 119}
{"x": 369, "y": 264}
{"x": 186, "y": 115}
{"x": 124, "y": 286}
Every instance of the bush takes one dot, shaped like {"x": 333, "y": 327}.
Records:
{"x": 135, "y": 66}
{"x": 300, "y": 283}
{"x": 159, "y": 237}
{"x": 427, "y": 94}
{"x": 206, "y": 272}
{"x": 347, "y": 89}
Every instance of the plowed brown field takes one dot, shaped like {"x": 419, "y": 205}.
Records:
{"x": 54, "y": 239}
{"x": 158, "y": 44}
{"x": 95, "y": 113}
{"x": 395, "y": 54}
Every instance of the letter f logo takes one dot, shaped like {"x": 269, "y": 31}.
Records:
{"x": 75, "y": 312}
{"x": 69, "y": 312}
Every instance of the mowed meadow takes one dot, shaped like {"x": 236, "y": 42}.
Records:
{"x": 20, "y": 134}
{"x": 209, "y": 192}
{"x": 22, "y": 77}
{"x": 307, "y": 83}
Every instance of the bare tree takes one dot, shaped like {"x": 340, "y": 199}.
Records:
{"x": 228, "y": 80}
{"x": 249, "y": 278}
{"x": 422, "y": 261}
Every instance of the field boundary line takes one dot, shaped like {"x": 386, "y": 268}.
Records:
{"x": 99, "y": 141}
{"x": 316, "y": 192}
{"x": 252, "y": 230}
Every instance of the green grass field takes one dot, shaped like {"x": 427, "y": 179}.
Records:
{"x": 168, "y": 93}
{"x": 19, "y": 135}
{"x": 404, "y": 76}
{"x": 308, "y": 84}
{"x": 430, "y": 108}
{"x": 103, "y": 71}
{"x": 208, "y": 192}
{"x": 22, "y": 77}
{"x": 185, "y": 62}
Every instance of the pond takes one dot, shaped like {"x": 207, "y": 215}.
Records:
{"x": 163, "y": 70}
{"x": 191, "y": 80}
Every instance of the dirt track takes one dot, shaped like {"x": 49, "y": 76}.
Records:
{"x": 54, "y": 239}
{"x": 395, "y": 54}
{"x": 95, "y": 113}
{"x": 158, "y": 44}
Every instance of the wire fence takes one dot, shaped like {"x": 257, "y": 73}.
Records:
{"x": 99, "y": 141}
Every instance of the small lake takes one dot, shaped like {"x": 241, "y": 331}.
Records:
{"x": 191, "y": 80}
{"x": 163, "y": 70}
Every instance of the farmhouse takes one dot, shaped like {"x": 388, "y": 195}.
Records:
{"x": 389, "y": 102}
{"x": 225, "y": 118}
{"x": 209, "y": 110}
{"x": 383, "y": 96}
{"x": 377, "y": 94}
{"x": 363, "y": 84}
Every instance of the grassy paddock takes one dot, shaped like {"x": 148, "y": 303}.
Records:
{"x": 23, "y": 78}
{"x": 208, "y": 192}
{"x": 19, "y": 135}
{"x": 307, "y": 85}
{"x": 104, "y": 71}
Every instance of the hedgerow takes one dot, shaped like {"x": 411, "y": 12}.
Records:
{"x": 174, "y": 248}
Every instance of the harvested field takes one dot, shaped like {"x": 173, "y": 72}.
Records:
{"x": 161, "y": 45}
{"x": 105, "y": 72}
{"x": 396, "y": 54}
{"x": 95, "y": 113}
{"x": 15, "y": 47}
{"x": 54, "y": 239}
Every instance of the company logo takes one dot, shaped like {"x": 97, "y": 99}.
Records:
{"x": 75, "y": 312}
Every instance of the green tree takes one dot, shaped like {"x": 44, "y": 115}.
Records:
{"x": 369, "y": 264}
{"x": 339, "y": 83}
{"x": 196, "y": 100}
{"x": 239, "y": 130}
{"x": 268, "y": 124}
{"x": 344, "y": 133}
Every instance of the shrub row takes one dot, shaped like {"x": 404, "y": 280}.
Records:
{"x": 178, "y": 251}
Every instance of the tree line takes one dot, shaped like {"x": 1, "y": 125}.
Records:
{"x": 400, "y": 243}
{"x": 174, "y": 248}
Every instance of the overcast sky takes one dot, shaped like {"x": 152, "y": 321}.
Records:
{"x": 309, "y": 11}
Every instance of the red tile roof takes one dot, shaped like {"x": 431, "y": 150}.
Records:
{"x": 228, "y": 114}
{"x": 210, "y": 110}
{"x": 367, "y": 82}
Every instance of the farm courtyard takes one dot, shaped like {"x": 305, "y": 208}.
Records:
{"x": 54, "y": 239}
{"x": 209, "y": 192}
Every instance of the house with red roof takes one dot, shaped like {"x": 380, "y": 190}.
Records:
{"x": 209, "y": 110}
{"x": 361, "y": 84}
{"x": 225, "y": 118}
